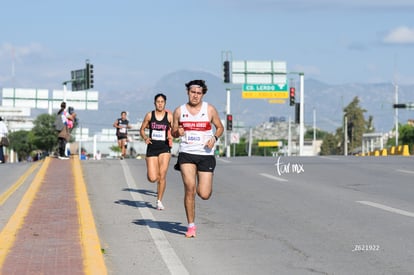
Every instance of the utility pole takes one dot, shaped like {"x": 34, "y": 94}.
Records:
{"x": 345, "y": 135}
{"x": 314, "y": 124}
{"x": 396, "y": 115}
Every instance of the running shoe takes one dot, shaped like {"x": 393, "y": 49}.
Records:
{"x": 63, "y": 157}
{"x": 191, "y": 232}
{"x": 160, "y": 206}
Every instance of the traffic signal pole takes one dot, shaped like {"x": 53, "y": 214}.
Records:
{"x": 301, "y": 113}
{"x": 301, "y": 110}
{"x": 226, "y": 56}
{"x": 228, "y": 112}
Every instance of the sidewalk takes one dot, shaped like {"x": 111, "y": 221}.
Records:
{"x": 47, "y": 234}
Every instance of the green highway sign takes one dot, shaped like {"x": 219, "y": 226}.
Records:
{"x": 265, "y": 91}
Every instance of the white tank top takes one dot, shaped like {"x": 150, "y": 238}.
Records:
{"x": 197, "y": 131}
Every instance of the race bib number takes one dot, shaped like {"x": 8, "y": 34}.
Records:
{"x": 123, "y": 130}
{"x": 195, "y": 138}
{"x": 158, "y": 135}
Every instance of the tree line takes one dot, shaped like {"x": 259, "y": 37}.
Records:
{"x": 41, "y": 138}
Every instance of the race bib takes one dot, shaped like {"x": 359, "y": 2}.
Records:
{"x": 194, "y": 138}
{"x": 158, "y": 135}
{"x": 123, "y": 130}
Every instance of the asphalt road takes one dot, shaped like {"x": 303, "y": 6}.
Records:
{"x": 309, "y": 215}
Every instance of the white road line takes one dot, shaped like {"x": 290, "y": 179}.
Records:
{"x": 168, "y": 254}
{"x": 223, "y": 160}
{"x": 388, "y": 208}
{"x": 273, "y": 177}
{"x": 330, "y": 158}
{"x": 405, "y": 171}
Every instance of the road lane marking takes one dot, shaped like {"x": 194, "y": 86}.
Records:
{"x": 164, "y": 247}
{"x": 223, "y": 160}
{"x": 273, "y": 177}
{"x": 330, "y": 158}
{"x": 18, "y": 183}
{"x": 405, "y": 171}
{"x": 93, "y": 258}
{"x": 388, "y": 208}
{"x": 9, "y": 232}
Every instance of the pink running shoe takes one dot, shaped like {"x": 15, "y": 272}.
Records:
{"x": 191, "y": 232}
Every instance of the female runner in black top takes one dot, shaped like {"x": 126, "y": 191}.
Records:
{"x": 158, "y": 143}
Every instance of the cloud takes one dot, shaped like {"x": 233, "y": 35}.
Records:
{"x": 400, "y": 35}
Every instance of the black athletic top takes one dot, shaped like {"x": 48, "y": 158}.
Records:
{"x": 158, "y": 130}
{"x": 123, "y": 132}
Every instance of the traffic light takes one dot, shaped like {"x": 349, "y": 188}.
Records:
{"x": 400, "y": 105}
{"x": 292, "y": 96}
{"x": 226, "y": 68}
{"x": 89, "y": 76}
{"x": 297, "y": 112}
{"x": 229, "y": 122}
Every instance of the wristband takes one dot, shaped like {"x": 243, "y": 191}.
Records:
{"x": 216, "y": 137}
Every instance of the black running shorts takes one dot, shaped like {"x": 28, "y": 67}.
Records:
{"x": 204, "y": 163}
{"x": 155, "y": 152}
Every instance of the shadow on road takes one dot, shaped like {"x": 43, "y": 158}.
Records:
{"x": 172, "y": 227}
{"x": 137, "y": 204}
{"x": 141, "y": 191}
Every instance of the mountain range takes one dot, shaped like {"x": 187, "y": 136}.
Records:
{"x": 324, "y": 102}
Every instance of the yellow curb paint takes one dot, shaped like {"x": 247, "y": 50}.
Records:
{"x": 93, "y": 259}
{"x": 18, "y": 183}
{"x": 9, "y": 232}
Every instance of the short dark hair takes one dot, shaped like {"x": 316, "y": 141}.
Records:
{"x": 197, "y": 82}
{"x": 160, "y": 95}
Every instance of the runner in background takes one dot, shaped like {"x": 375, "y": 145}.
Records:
{"x": 122, "y": 126}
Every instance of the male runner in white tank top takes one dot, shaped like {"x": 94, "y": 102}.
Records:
{"x": 199, "y": 126}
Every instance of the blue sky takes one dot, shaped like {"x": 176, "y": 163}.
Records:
{"x": 134, "y": 43}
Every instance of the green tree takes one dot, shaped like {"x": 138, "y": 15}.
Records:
{"x": 241, "y": 148}
{"x": 357, "y": 125}
{"x": 406, "y": 136}
{"x": 44, "y": 133}
{"x": 370, "y": 125}
{"x": 115, "y": 149}
{"x": 21, "y": 143}
{"x": 329, "y": 145}
{"x": 319, "y": 134}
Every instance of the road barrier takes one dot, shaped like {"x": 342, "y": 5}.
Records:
{"x": 400, "y": 150}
